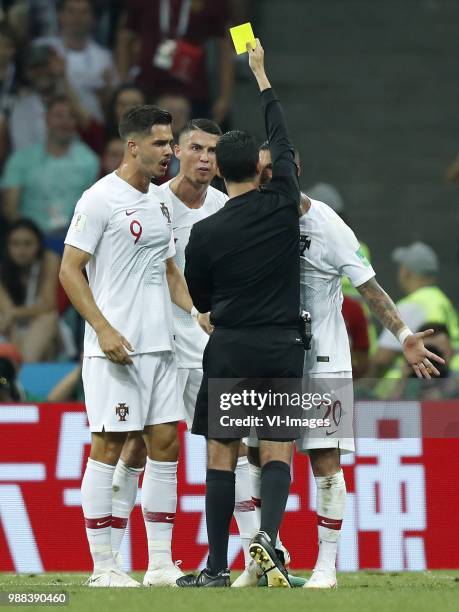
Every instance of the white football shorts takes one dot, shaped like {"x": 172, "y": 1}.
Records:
{"x": 339, "y": 412}
{"x": 189, "y": 382}
{"x": 129, "y": 397}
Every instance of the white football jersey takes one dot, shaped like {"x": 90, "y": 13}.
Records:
{"x": 129, "y": 234}
{"x": 329, "y": 250}
{"x": 190, "y": 339}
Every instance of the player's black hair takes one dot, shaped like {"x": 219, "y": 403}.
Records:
{"x": 237, "y": 156}
{"x": 439, "y": 328}
{"x": 140, "y": 120}
{"x": 265, "y": 147}
{"x": 10, "y": 273}
{"x": 205, "y": 125}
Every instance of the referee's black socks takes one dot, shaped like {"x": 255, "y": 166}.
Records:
{"x": 219, "y": 510}
{"x": 275, "y": 486}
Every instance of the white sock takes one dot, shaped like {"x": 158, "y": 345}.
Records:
{"x": 125, "y": 485}
{"x": 96, "y": 502}
{"x": 255, "y": 487}
{"x": 331, "y": 502}
{"x": 159, "y": 503}
{"x": 244, "y": 508}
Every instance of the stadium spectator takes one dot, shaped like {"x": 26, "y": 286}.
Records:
{"x": 30, "y": 18}
{"x": 112, "y": 156}
{"x": 357, "y": 330}
{"x": 40, "y": 86}
{"x": 8, "y": 73}
{"x": 107, "y": 14}
{"x": 69, "y": 388}
{"x": 409, "y": 387}
{"x": 11, "y": 352}
{"x": 89, "y": 67}
{"x": 125, "y": 97}
{"x": 43, "y": 182}
{"x": 172, "y": 57}
{"x": 46, "y": 78}
{"x": 424, "y": 301}
{"x": 9, "y": 391}
{"x": 180, "y": 109}
{"x": 28, "y": 290}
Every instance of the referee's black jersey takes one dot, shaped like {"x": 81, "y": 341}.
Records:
{"x": 242, "y": 263}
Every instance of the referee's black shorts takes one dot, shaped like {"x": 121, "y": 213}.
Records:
{"x": 248, "y": 353}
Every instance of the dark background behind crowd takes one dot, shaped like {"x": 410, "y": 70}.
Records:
{"x": 370, "y": 89}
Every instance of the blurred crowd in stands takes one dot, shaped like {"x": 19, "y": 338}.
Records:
{"x": 69, "y": 70}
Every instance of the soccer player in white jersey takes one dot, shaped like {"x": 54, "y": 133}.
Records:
{"x": 191, "y": 198}
{"x": 122, "y": 234}
{"x": 329, "y": 250}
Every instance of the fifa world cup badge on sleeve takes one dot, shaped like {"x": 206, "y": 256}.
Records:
{"x": 79, "y": 222}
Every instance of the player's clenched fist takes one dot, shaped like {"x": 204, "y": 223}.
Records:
{"x": 256, "y": 56}
{"x": 114, "y": 345}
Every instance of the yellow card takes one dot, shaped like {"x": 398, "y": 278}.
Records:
{"x": 242, "y": 35}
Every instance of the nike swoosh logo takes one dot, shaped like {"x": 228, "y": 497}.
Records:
{"x": 170, "y": 518}
{"x": 330, "y": 433}
{"x": 324, "y": 522}
{"x": 100, "y": 524}
{"x": 130, "y": 212}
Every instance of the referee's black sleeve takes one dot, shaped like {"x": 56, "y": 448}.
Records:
{"x": 285, "y": 172}
{"x": 197, "y": 271}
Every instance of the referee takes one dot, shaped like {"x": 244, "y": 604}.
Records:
{"x": 242, "y": 265}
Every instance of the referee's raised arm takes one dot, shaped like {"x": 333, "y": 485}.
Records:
{"x": 285, "y": 172}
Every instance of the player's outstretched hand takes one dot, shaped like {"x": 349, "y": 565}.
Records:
{"x": 204, "y": 322}
{"x": 419, "y": 357}
{"x": 256, "y": 57}
{"x": 114, "y": 345}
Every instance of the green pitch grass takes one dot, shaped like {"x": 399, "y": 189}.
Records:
{"x": 357, "y": 592}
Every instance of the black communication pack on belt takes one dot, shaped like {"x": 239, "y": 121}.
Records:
{"x": 305, "y": 329}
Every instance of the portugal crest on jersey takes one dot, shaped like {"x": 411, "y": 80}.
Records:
{"x": 121, "y": 411}
{"x": 166, "y": 212}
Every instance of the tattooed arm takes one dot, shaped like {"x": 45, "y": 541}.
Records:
{"x": 381, "y": 305}
{"x": 384, "y": 309}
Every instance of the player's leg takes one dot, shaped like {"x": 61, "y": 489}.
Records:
{"x": 125, "y": 486}
{"x": 331, "y": 503}
{"x": 275, "y": 459}
{"x": 253, "y": 456}
{"x": 325, "y": 456}
{"x": 96, "y": 496}
{"x": 159, "y": 489}
{"x": 220, "y": 496}
{"x": 244, "y": 508}
{"x": 110, "y": 419}
{"x": 159, "y": 501}
{"x": 252, "y": 573}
